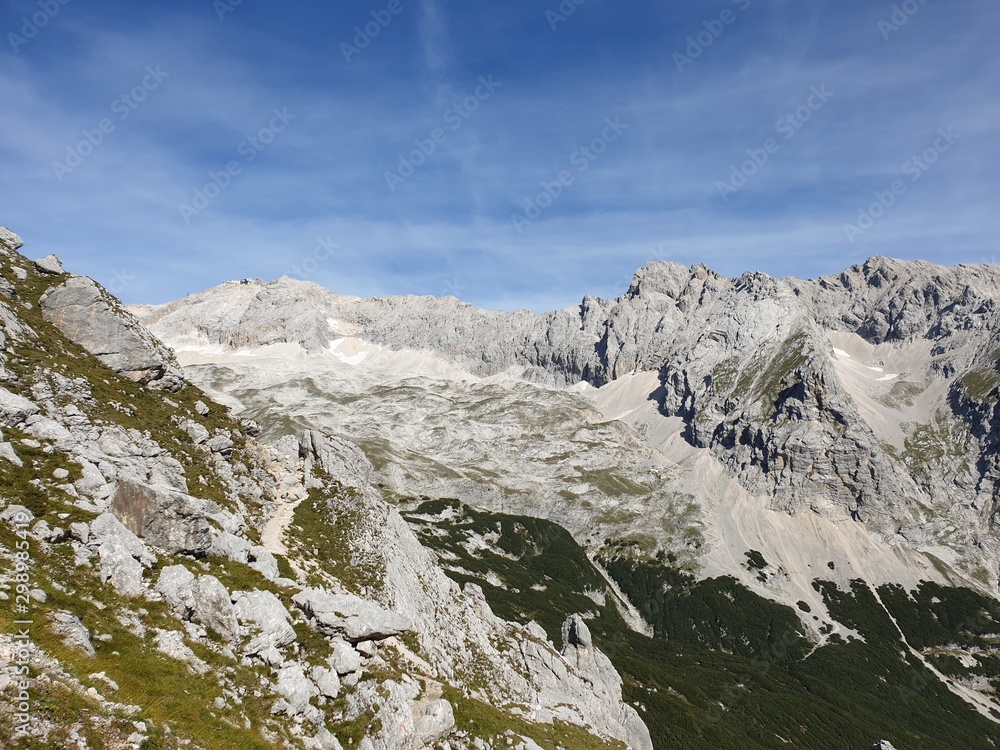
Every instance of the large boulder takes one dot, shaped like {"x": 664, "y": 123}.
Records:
{"x": 345, "y": 659}
{"x": 175, "y": 522}
{"x": 123, "y": 555}
{"x": 50, "y": 264}
{"x": 337, "y": 458}
{"x": 296, "y": 689}
{"x": 349, "y": 617}
{"x": 9, "y": 240}
{"x": 265, "y": 613}
{"x": 86, "y": 313}
{"x": 73, "y": 632}
{"x": 203, "y": 600}
{"x": 15, "y": 409}
{"x": 433, "y": 721}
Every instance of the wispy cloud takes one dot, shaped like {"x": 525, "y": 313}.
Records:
{"x": 434, "y": 39}
{"x": 655, "y": 187}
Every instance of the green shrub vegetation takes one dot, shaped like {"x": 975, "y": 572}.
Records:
{"x": 725, "y": 670}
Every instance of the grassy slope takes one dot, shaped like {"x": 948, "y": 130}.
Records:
{"x": 727, "y": 669}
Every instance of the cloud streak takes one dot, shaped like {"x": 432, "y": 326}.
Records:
{"x": 448, "y": 226}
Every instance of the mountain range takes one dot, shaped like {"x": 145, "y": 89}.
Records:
{"x": 711, "y": 513}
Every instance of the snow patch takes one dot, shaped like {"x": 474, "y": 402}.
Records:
{"x": 841, "y": 353}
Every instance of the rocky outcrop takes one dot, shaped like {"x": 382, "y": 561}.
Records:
{"x": 92, "y": 318}
{"x": 264, "y": 613}
{"x": 123, "y": 556}
{"x": 349, "y": 617}
{"x": 116, "y": 502}
{"x": 174, "y": 522}
{"x": 202, "y": 599}
{"x": 72, "y": 632}
{"x": 335, "y": 457}
{"x": 50, "y": 264}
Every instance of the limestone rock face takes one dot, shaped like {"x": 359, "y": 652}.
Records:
{"x": 50, "y": 264}
{"x": 349, "y": 617}
{"x": 202, "y": 599}
{"x": 171, "y": 520}
{"x": 14, "y": 409}
{"x": 123, "y": 556}
{"x": 9, "y": 242}
{"x": 72, "y": 632}
{"x": 337, "y": 458}
{"x": 265, "y": 613}
{"x": 824, "y": 396}
{"x": 95, "y": 320}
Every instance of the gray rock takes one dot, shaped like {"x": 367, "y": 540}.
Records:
{"x": 265, "y": 612}
{"x": 123, "y": 556}
{"x": 326, "y": 741}
{"x": 7, "y": 453}
{"x": 9, "y": 241}
{"x": 337, "y": 457}
{"x": 50, "y": 264}
{"x": 220, "y": 444}
{"x": 295, "y": 688}
{"x": 91, "y": 480}
{"x": 326, "y": 680}
{"x": 45, "y": 533}
{"x": 271, "y": 656}
{"x": 92, "y": 318}
{"x": 214, "y": 609}
{"x": 349, "y": 617}
{"x": 175, "y": 522}
{"x": 72, "y": 631}
{"x": 17, "y": 515}
{"x": 202, "y": 408}
{"x": 225, "y": 544}
{"x": 171, "y": 643}
{"x": 260, "y": 559}
{"x": 883, "y": 745}
{"x": 195, "y": 431}
{"x": 344, "y": 659}
{"x": 79, "y": 531}
{"x": 433, "y": 722}
{"x": 203, "y": 600}
{"x": 15, "y": 409}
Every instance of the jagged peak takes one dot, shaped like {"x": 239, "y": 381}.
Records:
{"x": 668, "y": 278}
{"x": 9, "y": 240}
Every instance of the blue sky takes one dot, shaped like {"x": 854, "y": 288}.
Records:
{"x": 567, "y": 147}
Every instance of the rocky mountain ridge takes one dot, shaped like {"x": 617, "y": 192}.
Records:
{"x": 866, "y": 397}
{"x": 153, "y": 543}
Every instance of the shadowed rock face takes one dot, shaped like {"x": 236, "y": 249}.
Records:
{"x": 171, "y": 520}
{"x": 89, "y": 316}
